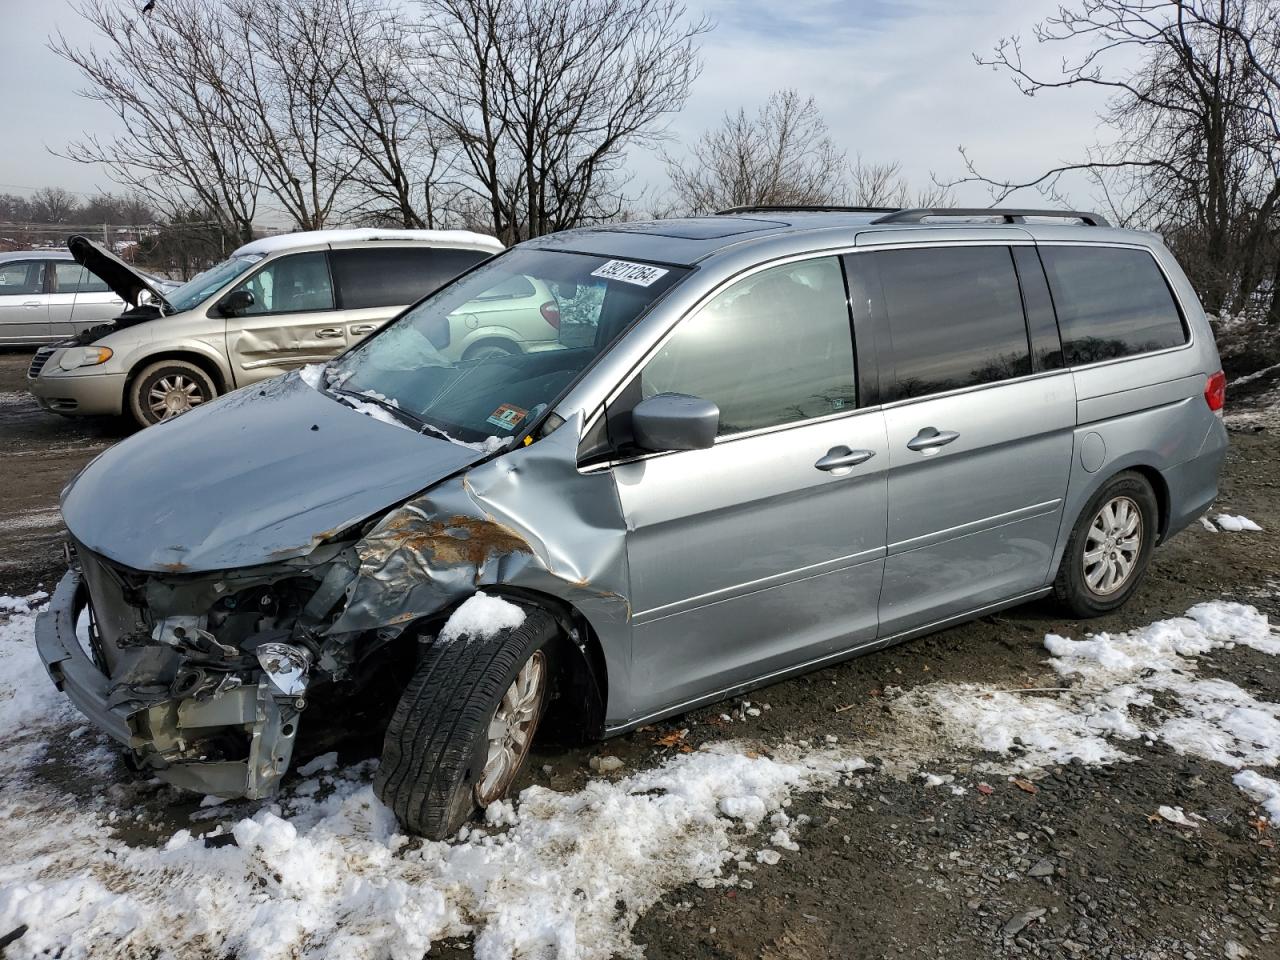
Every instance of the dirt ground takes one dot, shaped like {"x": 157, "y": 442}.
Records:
{"x": 890, "y": 869}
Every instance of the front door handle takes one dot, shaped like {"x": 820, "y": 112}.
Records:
{"x": 32, "y": 304}
{"x": 842, "y": 458}
{"x": 360, "y": 329}
{"x": 931, "y": 438}
{"x": 329, "y": 333}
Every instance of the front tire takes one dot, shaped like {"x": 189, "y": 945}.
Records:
{"x": 462, "y": 729}
{"x": 167, "y": 389}
{"x": 1110, "y": 547}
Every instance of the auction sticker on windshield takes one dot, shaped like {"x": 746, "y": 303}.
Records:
{"x": 640, "y": 274}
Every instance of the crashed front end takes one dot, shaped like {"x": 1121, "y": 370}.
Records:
{"x": 202, "y": 677}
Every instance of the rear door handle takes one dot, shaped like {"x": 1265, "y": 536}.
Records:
{"x": 931, "y": 438}
{"x": 329, "y": 333}
{"x": 838, "y": 458}
{"x": 360, "y": 329}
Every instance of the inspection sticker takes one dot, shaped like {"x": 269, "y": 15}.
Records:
{"x": 640, "y": 274}
{"x": 506, "y": 416}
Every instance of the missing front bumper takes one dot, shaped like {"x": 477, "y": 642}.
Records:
{"x": 167, "y": 738}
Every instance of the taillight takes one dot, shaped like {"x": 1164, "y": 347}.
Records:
{"x": 551, "y": 313}
{"x": 1215, "y": 392}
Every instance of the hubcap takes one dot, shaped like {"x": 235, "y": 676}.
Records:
{"x": 511, "y": 729}
{"x": 1112, "y": 545}
{"x": 173, "y": 394}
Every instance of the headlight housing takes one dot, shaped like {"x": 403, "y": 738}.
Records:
{"x": 75, "y": 357}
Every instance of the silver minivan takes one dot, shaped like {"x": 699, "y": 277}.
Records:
{"x": 767, "y": 440}
{"x": 274, "y": 305}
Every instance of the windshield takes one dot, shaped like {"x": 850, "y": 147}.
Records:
{"x": 196, "y": 290}
{"x": 485, "y": 356}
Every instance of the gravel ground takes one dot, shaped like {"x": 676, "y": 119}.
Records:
{"x": 886, "y": 866}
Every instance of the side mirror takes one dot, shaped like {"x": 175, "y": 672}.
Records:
{"x": 235, "y": 303}
{"x": 675, "y": 421}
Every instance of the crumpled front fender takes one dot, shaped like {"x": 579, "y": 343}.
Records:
{"x": 528, "y": 519}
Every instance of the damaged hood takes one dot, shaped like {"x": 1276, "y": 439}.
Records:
{"x": 261, "y": 475}
{"x": 125, "y": 282}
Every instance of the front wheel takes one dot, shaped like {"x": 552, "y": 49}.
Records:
{"x": 167, "y": 389}
{"x": 1110, "y": 547}
{"x": 462, "y": 729}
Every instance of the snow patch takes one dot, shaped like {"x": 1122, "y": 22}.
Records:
{"x": 27, "y": 604}
{"x": 312, "y": 375}
{"x": 1263, "y": 789}
{"x": 480, "y": 617}
{"x": 1140, "y": 685}
{"x": 1237, "y": 524}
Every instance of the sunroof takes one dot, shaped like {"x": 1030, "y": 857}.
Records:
{"x": 697, "y": 228}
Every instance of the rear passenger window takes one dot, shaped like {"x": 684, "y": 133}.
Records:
{"x": 955, "y": 318}
{"x": 397, "y": 276}
{"x": 771, "y": 349}
{"x": 1111, "y": 302}
{"x": 73, "y": 278}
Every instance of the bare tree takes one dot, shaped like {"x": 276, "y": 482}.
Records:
{"x": 406, "y": 161}
{"x": 544, "y": 98}
{"x": 1192, "y": 147}
{"x": 783, "y": 155}
{"x": 884, "y": 185}
{"x": 161, "y": 76}
{"x": 53, "y": 205}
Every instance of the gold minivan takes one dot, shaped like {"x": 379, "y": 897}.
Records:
{"x": 274, "y": 305}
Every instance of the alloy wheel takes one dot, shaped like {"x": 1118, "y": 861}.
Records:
{"x": 172, "y": 394}
{"x": 511, "y": 729}
{"x": 1112, "y": 546}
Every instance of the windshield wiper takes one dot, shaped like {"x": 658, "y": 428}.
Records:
{"x": 387, "y": 405}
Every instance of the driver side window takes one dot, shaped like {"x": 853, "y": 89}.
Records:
{"x": 292, "y": 284}
{"x": 774, "y": 348}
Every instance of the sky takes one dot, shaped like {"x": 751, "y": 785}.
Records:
{"x": 894, "y": 79}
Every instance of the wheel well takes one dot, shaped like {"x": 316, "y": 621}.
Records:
{"x": 1161, "y": 490}
{"x": 505, "y": 342}
{"x": 199, "y": 360}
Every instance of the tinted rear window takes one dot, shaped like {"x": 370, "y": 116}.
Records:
{"x": 1111, "y": 302}
{"x": 396, "y": 276}
{"x": 955, "y": 318}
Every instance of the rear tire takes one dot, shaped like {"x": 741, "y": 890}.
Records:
{"x": 1110, "y": 547}
{"x": 166, "y": 389}
{"x": 439, "y": 759}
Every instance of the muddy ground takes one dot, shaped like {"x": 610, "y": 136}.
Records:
{"x": 893, "y": 869}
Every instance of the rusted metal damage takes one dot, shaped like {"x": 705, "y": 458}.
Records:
{"x": 477, "y": 530}
{"x": 205, "y": 671}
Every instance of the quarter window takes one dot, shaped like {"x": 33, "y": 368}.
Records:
{"x": 1111, "y": 302}
{"x": 771, "y": 349}
{"x": 397, "y": 276}
{"x": 292, "y": 284}
{"x": 955, "y": 318}
{"x": 73, "y": 278}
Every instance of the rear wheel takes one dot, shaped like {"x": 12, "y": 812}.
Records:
{"x": 167, "y": 389}
{"x": 1110, "y": 547}
{"x": 462, "y": 729}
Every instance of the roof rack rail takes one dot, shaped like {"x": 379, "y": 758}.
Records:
{"x": 1010, "y": 216}
{"x": 803, "y": 208}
